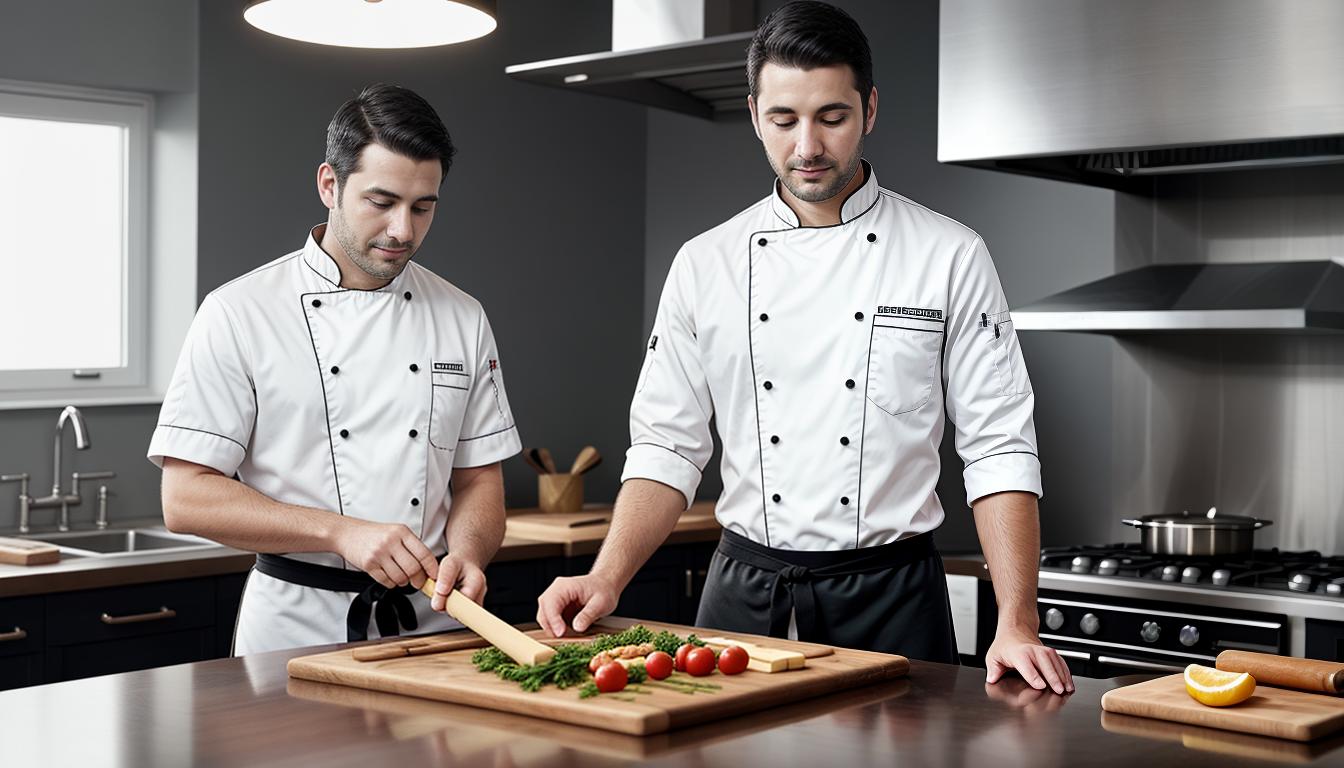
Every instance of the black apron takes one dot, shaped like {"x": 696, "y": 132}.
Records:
{"x": 890, "y": 598}
{"x": 389, "y": 607}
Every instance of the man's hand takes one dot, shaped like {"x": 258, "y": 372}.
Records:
{"x": 586, "y": 598}
{"x": 462, "y": 574}
{"x": 1024, "y": 652}
{"x": 389, "y": 552}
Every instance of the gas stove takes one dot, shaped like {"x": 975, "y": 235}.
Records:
{"x": 1271, "y": 569}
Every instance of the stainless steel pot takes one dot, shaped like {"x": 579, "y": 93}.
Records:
{"x": 1184, "y": 534}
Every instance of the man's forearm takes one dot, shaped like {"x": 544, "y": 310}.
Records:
{"x": 205, "y": 503}
{"x": 646, "y": 512}
{"x": 1010, "y": 536}
{"x": 476, "y": 525}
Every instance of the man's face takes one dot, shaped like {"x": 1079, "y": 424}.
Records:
{"x": 812, "y": 125}
{"x": 382, "y": 212}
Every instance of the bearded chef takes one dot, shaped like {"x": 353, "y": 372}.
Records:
{"x": 341, "y": 410}
{"x": 831, "y": 328}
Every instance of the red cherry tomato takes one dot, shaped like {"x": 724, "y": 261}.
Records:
{"x": 700, "y": 662}
{"x": 680, "y": 660}
{"x": 733, "y": 660}
{"x": 611, "y": 677}
{"x": 658, "y": 665}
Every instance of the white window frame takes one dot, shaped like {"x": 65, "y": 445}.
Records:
{"x": 142, "y": 378}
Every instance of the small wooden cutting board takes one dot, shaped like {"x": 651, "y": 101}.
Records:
{"x": 1274, "y": 712}
{"x": 27, "y": 552}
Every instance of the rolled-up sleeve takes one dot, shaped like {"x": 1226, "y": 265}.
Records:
{"x": 488, "y": 430}
{"x": 670, "y": 440}
{"x": 210, "y": 407}
{"x": 989, "y": 396}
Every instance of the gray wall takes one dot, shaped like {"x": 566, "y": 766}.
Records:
{"x": 1044, "y": 236}
{"x": 542, "y": 214}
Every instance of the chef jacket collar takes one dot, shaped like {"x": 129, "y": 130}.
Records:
{"x": 859, "y": 202}
{"x": 325, "y": 266}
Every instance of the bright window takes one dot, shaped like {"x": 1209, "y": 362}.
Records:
{"x": 73, "y": 210}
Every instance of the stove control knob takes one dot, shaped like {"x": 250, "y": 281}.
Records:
{"x": 1089, "y": 624}
{"x": 1054, "y": 618}
{"x": 1151, "y": 631}
{"x": 1222, "y": 577}
{"x": 1108, "y": 567}
{"x": 1189, "y": 635}
{"x": 1191, "y": 575}
{"x": 1170, "y": 573}
{"x": 1081, "y": 564}
{"x": 1300, "y": 582}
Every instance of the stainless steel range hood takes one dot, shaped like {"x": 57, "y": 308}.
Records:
{"x": 1290, "y": 297}
{"x": 1109, "y": 93}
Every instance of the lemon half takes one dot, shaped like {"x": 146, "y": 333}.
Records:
{"x": 1216, "y": 688}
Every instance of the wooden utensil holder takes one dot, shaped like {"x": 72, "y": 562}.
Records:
{"x": 560, "y": 492}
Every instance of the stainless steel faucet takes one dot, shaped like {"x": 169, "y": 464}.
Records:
{"x": 27, "y": 503}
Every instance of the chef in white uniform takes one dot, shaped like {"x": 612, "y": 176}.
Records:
{"x": 341, "y": 410}
{"x": 831, "y": 328}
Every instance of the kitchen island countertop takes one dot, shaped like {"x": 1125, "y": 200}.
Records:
{"x": 247, "y": 712}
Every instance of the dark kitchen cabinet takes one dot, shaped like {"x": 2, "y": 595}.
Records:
{"x": 667, "y": 588}
{"x": 512, "y": 587}
{"x": 22, "y": 628}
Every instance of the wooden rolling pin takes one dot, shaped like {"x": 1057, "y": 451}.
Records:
{"x": 501, "y": 634}
{"x": 1285, "y": 671}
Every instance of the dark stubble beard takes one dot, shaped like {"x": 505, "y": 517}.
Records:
{"x": 811, "y": 194}
{"x": 359, "y": 254}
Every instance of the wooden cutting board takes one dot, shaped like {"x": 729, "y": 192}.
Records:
{"x": 28, "y": 552}
{"x": 590, "y": 525}
{"x": 451, "y": 677}
{"x": 1274, "y": 712}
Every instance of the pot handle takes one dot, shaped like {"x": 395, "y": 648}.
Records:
{"x": 1135, "y": 523}
{"x": 1262, "y": 523}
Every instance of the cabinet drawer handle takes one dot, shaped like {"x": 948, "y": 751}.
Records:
{"x": 163, "y": 613}
{"x": 690, "y": 584}
{"x": 17, "y": 634}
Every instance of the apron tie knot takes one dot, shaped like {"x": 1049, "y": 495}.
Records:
{"x": 391, "y": 610}
{"x": 795, "y": 574}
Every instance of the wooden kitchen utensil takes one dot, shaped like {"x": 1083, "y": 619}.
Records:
{"x": 1271, "y": 711}
{"x": 587, "y": 459}
{"x": 546, "y": 460}
{"x": 533, "y": 458}
{"x": 560, "y": 493}
{"x": 1285, "y": 671}
{"x": 26, "y": 552}
{"x": 501, "y": 634}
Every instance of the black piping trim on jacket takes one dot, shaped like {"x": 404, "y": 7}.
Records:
{"x": 488, "y": 434}
{"x": 449, "y": 386}
{"x": 204, "y": 431}
{"x": 867, "y": 171}
{"x": 792, "y": 227}
{"x": 672, "y": 451}
{"x": 326, "y": 410}
{"x": 863, "y": 436}
{"x": 1002, "y": 453}
{"x": 908, "y": 328}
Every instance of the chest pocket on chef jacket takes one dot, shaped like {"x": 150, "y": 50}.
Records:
{"x": 1009, "y": 366}
{"x": 447, "y": 407}
{"x": 902, "y": 365}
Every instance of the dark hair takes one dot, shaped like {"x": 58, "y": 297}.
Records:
{"x": 395, "y": 117}
{"x": 806, "y": 34}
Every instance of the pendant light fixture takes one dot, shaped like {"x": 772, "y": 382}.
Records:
{"x": 374, "y": 23}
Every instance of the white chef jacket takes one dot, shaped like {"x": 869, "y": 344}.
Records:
{"x": 358, "y": 402}
{"x": 829, "y": 356}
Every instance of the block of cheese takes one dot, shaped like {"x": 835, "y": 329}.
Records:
{"x": 500, "y": 633}
{"x": 760, "y": 658}
{"x": 26, "y": 552}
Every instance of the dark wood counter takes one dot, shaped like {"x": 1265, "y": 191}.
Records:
{"x": 247, "y": 712}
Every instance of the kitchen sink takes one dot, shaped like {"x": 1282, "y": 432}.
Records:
{"x": 117, "y": 542}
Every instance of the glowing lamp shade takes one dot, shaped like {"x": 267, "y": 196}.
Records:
{"x": 374, "y": 23}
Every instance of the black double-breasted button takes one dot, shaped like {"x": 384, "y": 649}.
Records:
{"x": 414, "y": 433}
{"x": 317, "y": 302}
{"x": 872, "y": 238}
{"x": 774, "y": 439}
{"x": 414, "y": 367}
{"x": 345, "y": 433}
{"x": 768, "y": 385}
{"x": 762, "y": 241}
{"x": 764, "y": 317}
{"x": 849, "y": 383}
{"x": 858, "y": 315}
{"x": 844, "y": 501}
{"x": 407, "y": 295}
{"x": 335, "y": 369}
{"x": 775, "y": 497}
{"x": 844, "y": 441}
{"x": 415, "y": 502}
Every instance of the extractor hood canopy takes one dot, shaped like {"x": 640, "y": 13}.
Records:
{"x": 1289, "y": 297}
{"x": 1109, "y": 93}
